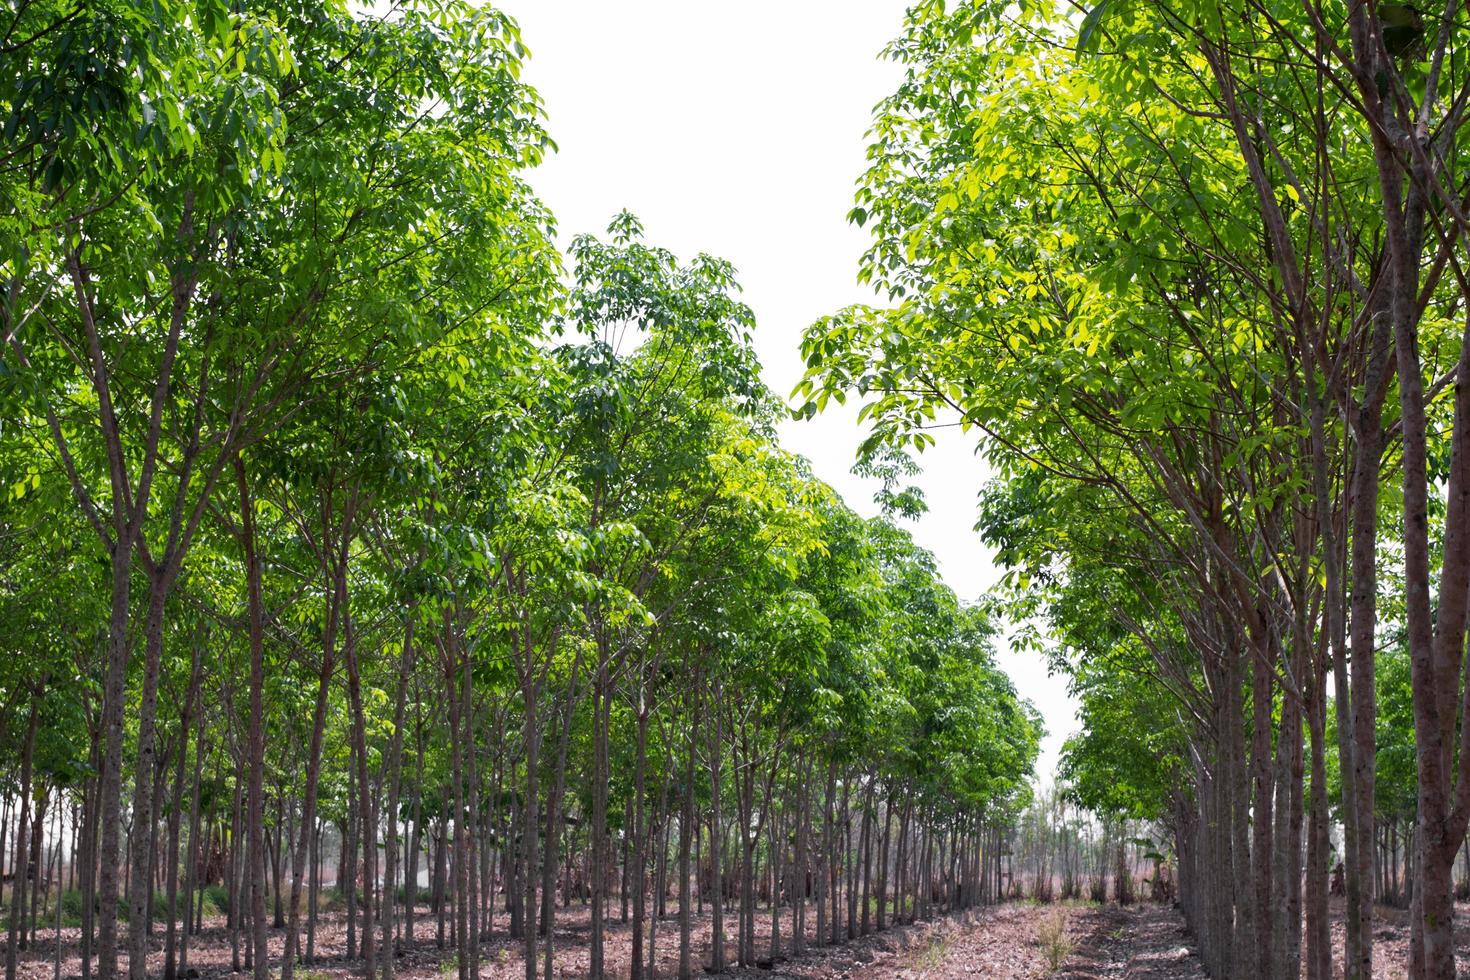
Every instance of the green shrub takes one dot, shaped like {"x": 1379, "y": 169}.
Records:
{"x": 71, "y": 907}
{"x": 160, "y": 908}
{"x": 216, "y": 900}
{"x": 422, "y": 896}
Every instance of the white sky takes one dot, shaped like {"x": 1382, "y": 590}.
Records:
{"x": 738, "y": 130}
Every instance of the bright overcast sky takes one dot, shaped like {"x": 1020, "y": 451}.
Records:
{"x": 737, "y": 130}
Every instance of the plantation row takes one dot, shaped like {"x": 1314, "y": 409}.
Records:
{"x": 1196, "y": 273}
{"x": 344, "y": 525}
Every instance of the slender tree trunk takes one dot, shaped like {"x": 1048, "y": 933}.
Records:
{"x": 395, "y": 772}
{"x": 275, "y": 843}
{"x": 236, "y": 913}
{"x": 470, "y": 919}
{"x": 1319, "y": 938}
{"x": 717, "y": 908}
{"x": 841, "y": 866}
{"x": 1367, "y": 451}
{"x": 637, "y": 868}
{"x": 19, "y": 868}
{"x": 554, "y": 825}
{"x": 1262, "y": 857}
{"x": 624, "y": 886}
{"x": 686, "y": 834}
{"x": 800, "y": 861}
{"x": 881, "y": 887}
{"x": 191, "y": 871}
{"x": 461, "y": 845}
{"x": 143, "y": 778}
{"x": 776, "y": 854}
{"x": 175, "y": 814}
{"x": 347, "y": 878}
{"x": 601, "y": 857}
{"x": 365, "y": 814}
{"x": 529, "y": 823}
{"x": 153, "y": 846}
{"x": 109, "y": 807}
{"x": 314, "y": 888}
{"x": 865, "y": 860}
{"x": 309, "y": 830}
{"x": 1334, "y": 629}
{"x": 417, "y": 836}
{"x": 88, "y": 849}
{"x": 256, "y": 740}
{"x": 441, "y": 883}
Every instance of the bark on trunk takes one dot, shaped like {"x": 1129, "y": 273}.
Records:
{"x": 175, "y": 815}
{"x": 256, "y": 736}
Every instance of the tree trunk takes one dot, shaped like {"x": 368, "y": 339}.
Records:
{"x": 1363, "y": 614}
{"x": 88, "y": 849}
{"x": 416, "y": 835}
{"x": 1262, "y": 857}
{"x": 529, "y": 823}
{"x": 470, "y": 919}
{"x": 601, "y": 718}
{"x": 461, "y": 845}
{"x": 236, "y": 912}
{"x": 309, "y": 831}
{"x": 109, "y": 815}
{"x": 256, "y": 739}
{"x": 19, "y": 868}
{"x": 395, "y": 773}
{"x": 639, "y": 860}
{"x": 175, "y": 813}
{"x": 717, "y": 908}
{"x": 1318, "y": 937}
{"x": 686, "y": 833}
{"x": 191, "y": 871}
{"x": 144, "y": 774}
{"x": 554, "y": 825}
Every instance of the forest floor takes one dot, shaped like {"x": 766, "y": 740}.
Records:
{"x": 1018, "y": 940}
{"x": 1015, "y": 941}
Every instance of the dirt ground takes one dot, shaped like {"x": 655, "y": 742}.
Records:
{"x": 1017, "y": 941}
{"x": 1391, "y": 941}
{"x": 1141, "y": 942}
{"x": 1008, "y": 942}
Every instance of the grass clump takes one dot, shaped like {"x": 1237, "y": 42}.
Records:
{"x": 934, "y": 952}
{"x": 1056, "y": 945}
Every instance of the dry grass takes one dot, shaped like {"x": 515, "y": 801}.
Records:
{"x": 935, "y": 952}
{"x": 1056, "y": 945}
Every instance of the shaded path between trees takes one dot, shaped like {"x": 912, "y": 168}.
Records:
{"x": 1140, "y": 942}
{"x": 1009, "y": 942}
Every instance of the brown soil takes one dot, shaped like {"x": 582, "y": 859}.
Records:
{"x": 1391, "y": 941}
{"x": 1141, "y": 942}
{"x": 1009, "y": 942}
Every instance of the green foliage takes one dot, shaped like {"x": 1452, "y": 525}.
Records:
{"x": 282, "y": 263}
{"x": 1397, "y": 780}
{"x": 1149, "y": 297}
{"x": 217, "y": 897}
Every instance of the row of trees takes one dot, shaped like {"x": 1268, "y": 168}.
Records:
{"x": 333, "y": 501}
{"x": 1198, "y": 274}
{"x": 1063, "y": 852}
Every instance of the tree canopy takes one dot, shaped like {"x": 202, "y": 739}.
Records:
{"x": 345, "y": 515}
